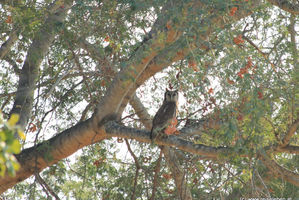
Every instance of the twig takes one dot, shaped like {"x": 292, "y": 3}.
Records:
{"x": 55, "y": 106}
{"x": 234, "y": 175}
{"x": 46, "y": 186}
{"x": 58, "y": 80}
{"x": 263, "y": 183}
{"x": 87, "y": 108}
{"x": 50, "y": 81}
{"x": 157, "y": 170}
{"x": 263, "y": 54}
{"x": 137, "y": 168}
{"x": 85, "y": 79}
{"x": 128, "y": 116}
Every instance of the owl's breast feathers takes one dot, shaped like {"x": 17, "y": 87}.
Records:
{"x": 165, "y": 114}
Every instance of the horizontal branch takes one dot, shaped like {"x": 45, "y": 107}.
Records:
{"x": 64, "y": 144}
{"x": 288, "y": 149}
{"x": 114, "y": 129}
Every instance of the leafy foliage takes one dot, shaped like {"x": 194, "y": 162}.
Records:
{"x": 9, "y": 145}
{"x": 243, "y": 75}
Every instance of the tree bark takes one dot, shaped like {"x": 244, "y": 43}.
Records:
{"x": 286, "y": 6}
{"x": 6, "y": 46}
{"x": 169, "y": 154}
{"x": 178, "y": 174}
{"x": 147, "y": 60}
{"x": 38, "y": 49}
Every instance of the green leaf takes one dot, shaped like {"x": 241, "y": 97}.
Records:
{"x": 13, "y": 120}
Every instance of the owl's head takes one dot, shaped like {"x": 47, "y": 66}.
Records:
{"x": 171, "y": 96}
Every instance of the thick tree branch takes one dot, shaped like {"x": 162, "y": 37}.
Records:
{"x": 141, "y": 112}
{"x": 114, "y": 129}
{"x": 126, "y": 78}
{"x": 286, "y": 5}
{"x": 279, "y": 171}
{"x": 157, "y": 64}
{"x": 288, "y": 149}
{"x": 293, "y": 128}
{"x": 181, "y": 48}
{"x": 49, "y": 152}
{"x": 29, "y": 73}
{"x": 177, "y": 173}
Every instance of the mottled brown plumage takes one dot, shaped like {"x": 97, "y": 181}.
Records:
{"x": 165, "y": 114}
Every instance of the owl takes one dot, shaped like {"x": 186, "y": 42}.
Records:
{"x": 165, "y": 114}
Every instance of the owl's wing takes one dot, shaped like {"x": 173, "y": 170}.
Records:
{"x": 164, "y": 115}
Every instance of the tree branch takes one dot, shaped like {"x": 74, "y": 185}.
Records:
{"x": 126, "y": 78}
{"x": 261, "y": 52}
{"x": 47, "y": 187}
{"x": 279, "y": 171}
{"x": 293, "y": 128}
{"x": 141, "y": 112}
{"x": 155, "y": 181}
{"x": 49, "y": 152}
{"x": 114, "y": 129}
{"x": 29, "y": 73}
{"x": 177, "y": 173}
{"x": 288, "y": 149}
{"x": 137, "y": 168}
{"x": 181, "y": 48}
{"x": 286, "y": 6}
{"x": 169, "y": 154}
{"x": 6, "y": 46}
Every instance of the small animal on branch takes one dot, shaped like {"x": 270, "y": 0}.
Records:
{"x": 164, "y": 122}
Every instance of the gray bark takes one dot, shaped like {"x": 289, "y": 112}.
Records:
{"x": 38, "y": 49}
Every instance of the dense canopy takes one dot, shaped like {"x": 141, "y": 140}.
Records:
{"x": 82, "y": 80}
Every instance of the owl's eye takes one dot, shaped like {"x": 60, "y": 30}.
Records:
{"x": 168, "y": 94}
{"x": 174, "y": 94}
